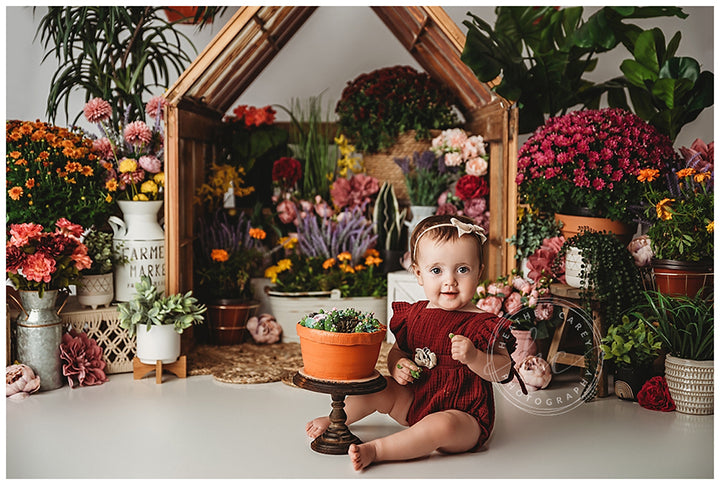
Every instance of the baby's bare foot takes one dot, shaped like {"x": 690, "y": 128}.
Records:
{"x": 317, "y": 426}
{"x": 362, "y": 455}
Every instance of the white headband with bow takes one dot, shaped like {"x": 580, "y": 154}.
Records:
{"x": 462, "y": 228}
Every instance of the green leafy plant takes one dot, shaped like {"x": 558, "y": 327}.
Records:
{"x": 99, "y": 248}
{"x": 630, "y": 344}
{"x": 666, "y": 90}
{"x": 608, "y": 274}
{"x": 347, "y": 320}
{"x": 685, "y": 325}
{"x": 376, "y": 107}
{"x": 148, "y": 307}
{"x": 533, "y": 228}
{"x": 388, "y": 219}
{"x": 114, "y": 53}
{"x": 543, "y": 53}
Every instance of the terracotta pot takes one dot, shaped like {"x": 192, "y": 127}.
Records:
{"x": 227, "y": 320}
{"x": 339, "y": 356}
{"x": 682, "y": 277}
{"x": 183, "y": 15}
{"x": 571, "y": 225}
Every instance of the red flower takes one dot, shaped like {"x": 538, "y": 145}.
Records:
{"x": 471, "y": 187}
{"x": 286, "y": 171}
{"x": 655, "y": 395}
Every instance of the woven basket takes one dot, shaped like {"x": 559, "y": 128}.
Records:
{"x": 382, "y": 165}
{"x": 691, "y": 384}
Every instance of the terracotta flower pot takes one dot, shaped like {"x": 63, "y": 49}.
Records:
{"x": 682, "y": 277}
{"x": 227, "y": 320}
{"x": 571, "y": 225}
{"x": 338, "y": 356}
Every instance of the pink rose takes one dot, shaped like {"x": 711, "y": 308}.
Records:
{"x": 535, "y": 372}
{"x": 456, "y": 137}
{"x": 477, "y": 166}
{"x": 513, "y": 303}
{"x": 641, "y": 250}
{"x": 453, "y": 159}
{"x": 20, "y": 381}
{"x": 287, "y": 212}
{"x": 522, "y": 285}
{"x": 491, "y": 304}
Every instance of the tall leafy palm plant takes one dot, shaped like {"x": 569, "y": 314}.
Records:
{"x": 114, "y": 53}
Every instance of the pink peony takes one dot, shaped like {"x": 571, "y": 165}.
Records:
{"x": 82, "y": 359}
{"x": 155, "y": 107}
{"x": 522, "y": 285}
{"x": 287, "y": 212}
{"x": 446, "y": 208}
{"x": 513, "y": 303}
{"x": 20, "y": 381}
{"x": 535, "y": 372}
{"x": 137, "y": 133}
{"x": 97, "y": 110}
{"x": 491, "y": 304}
{"x": 477, "y": 166}
{"x": 641, "y": 250}
{"x": 38, "y": 268}
{"x": 453, "y": 159}
{"x": 150, "y": 163}
{"x": 264, "y": 329}
{"x": 543, "y": 311}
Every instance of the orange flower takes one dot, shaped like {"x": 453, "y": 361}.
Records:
{"x": 87, "y": 171}
{"x": 344, "y": 256}
{"x": 219, "y": 255}
{"x": 685, "y": 172}
{"x": 30, "y": 183}
{"x": 372, "y": 252}
{"x": 43, "y": 155}
{"x": 73, "y": 167}
{"x": 328, "y": 263}
{"x": 373, "y": 261}
{"x": 21, "y": 161}
{"x": 663, "y": 209}
{"x": 15, "y": 154}
{"x": 257, "y": 233}
{"x": 347, "y": 268}
{"x": 648, "y": 174}
{"x": 15, "y": 193}
{"x": 111, "y": 185}
{"x": 701, "y": 177}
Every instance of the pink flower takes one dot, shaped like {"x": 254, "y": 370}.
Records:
{"x": 540, "y": 263}
{"x": 264, "y": 329}
{"x": 543, "y": 311}
{"x": 150, "y": 163}
{"x": 453, "y": 159}
{"x": 446, "y": 208}
{"x": 491, "y": 304}
{"x": 522, "y": 285}
{"x": 137, "y": 133}
{"x": 340, "y": 193}
{"x": 97, "y": 110}
{"x": 82, "y": 359}
{"x": 155, "y": 107}
{"x": 456, "y": 138}
{"x": 513, "y": 303}
{"x": 287, "y": 212}
{"x": 641, "y": 250}
{"x": 477, "y": 166}
{"x": 322, "y": 208}
{"x": 20, "y": 234}
{"x": 20, "y": 381}
{"x": 38, "y": 268}
{"x": 81, "y": 258}
{"x": 363, "y": 186}
{"x": 67, "y": 228}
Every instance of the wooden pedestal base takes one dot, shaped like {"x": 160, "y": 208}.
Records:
{"x": 337, "y": 438}
{"x": 140, "y": 370}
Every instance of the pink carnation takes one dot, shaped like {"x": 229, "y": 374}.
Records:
{"x": 287, "y": 212}
{"x": 38, "y": 268}
{"x": 97, "y": 110}
{"x": 20, "y": 234}
{"x": 137, "y": 133}
{"x": 150, "y": 163}
{"x": 102, "y": 147}
{"x": 155, "y": 106}
{"x": 81, "y": 258}
{"x": 68, "y": 228}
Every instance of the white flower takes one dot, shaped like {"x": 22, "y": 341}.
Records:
{"x": 453, "y": 159}
{"x": 476, "y": 166}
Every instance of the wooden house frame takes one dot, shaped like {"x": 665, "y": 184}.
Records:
{"x": 248, "y": 42}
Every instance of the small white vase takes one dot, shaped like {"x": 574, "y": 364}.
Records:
{"x": 161, "y": 342}
{"x": 573, "y": 263}
{"x": 95, "y": 290}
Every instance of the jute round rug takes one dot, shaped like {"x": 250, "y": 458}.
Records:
{"x": 250, "y": 363}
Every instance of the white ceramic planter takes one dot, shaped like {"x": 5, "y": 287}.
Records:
{"x": 288, "y": 310}
{"x": 96, "y": 290}
{"x": 161, "y": 342}
{"x": 691, "y": 384}
{"x": 573, "y": 262}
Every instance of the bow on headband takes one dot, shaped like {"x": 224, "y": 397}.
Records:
{"x": 464, "y": 228}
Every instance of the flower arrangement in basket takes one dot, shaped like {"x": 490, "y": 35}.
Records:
{"x": 591, "y": 159}
{"x": 682, "y": 212}
{"x": 376, "y": 107}
{"x": 52, "y": 172}
{"x": 131, "y": 153}
{"x": 40, "y": 260}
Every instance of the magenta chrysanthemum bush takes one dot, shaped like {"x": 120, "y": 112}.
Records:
{"x": 591, "y": 159}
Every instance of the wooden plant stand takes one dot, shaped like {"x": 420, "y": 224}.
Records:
{"x": 336, "y": 440}
{"x": 179, "y": 368}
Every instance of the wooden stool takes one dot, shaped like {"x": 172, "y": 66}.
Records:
{"x": 336, "y": 439}
{"x": 140, "y": 369}
{"x": 556, "y": 356}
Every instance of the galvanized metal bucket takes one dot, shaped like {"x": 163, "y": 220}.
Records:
{"x": 39, "y": 334}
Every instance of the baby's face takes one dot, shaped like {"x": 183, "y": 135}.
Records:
{"x": 449, "y": 272}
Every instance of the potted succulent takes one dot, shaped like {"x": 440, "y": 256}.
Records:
{"x": 158, "y": 321}
{"x": 389, "y": 225}
{"x": 340, "y": 344}
{"x": 686, "y": 327}
{"x": 586, "y": 163}
{"x": 631, "y": 347}
{"x": 95, "y": 287}
{"x": 681, "y": 218}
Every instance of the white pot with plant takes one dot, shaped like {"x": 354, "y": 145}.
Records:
{"x": 159, "y": 321}
{"x": 95, "y": 287}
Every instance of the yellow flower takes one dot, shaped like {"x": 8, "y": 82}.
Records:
{"x": 685, "y": 172}
{"x": 701, "y": 177}
{"x": 127, "y": 165}
{"x": 373, "y": 261}
{"x": 710, "y": 227}
{"x": 159, "y": 179}
{"x": 328, "y": 263}
{"x": 347, "y": 268}
{"x": 149, "y": 187}
{"x": 140, "y": 197}
{"x": 108, "y": 199}
{"x": 663, "y": 209}
{"x": 271, "y": 273}
{"x": 344, "y": 256}
{"x": 288, "y": 242}
{"x": 257, "y": 233}
{"x": 359, "y": 267}
{"x": 111, "y": 185}
{"x": 219, "y": 255}
{"x": 648, "y": 174}
{"x": 284, "y": 264}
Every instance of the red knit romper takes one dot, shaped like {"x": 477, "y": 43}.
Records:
{"x": 450, "y": 384}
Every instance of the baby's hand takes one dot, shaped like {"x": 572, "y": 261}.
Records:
{"x": 462, "y": 349}
{"x": 405, "y": 372}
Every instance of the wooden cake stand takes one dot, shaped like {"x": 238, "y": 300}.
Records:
{"x": 337, "y": 438}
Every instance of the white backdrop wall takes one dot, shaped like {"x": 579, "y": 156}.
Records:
{"x": 334, "y": 46}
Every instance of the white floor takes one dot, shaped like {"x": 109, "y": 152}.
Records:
{"x": 201, "y": 428}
